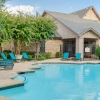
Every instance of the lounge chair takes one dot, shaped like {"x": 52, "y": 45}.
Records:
{"x": 6, "y": 64}
{"x": 78, "y": 56}
{"x": 3, "y": 56}
{"x": 13, "y": 57}
{"x": 65, "y": 56}
{"x": 25, "y": 56}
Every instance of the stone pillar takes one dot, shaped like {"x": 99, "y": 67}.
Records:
{"x": 81, "y": 47}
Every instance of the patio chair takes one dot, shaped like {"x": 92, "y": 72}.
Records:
{"x": 13, "y": 57}
{"x": 65, "y": 56}
{"x": 25, "y": 56}
{"x": 78, "y": 56}
{"x": 4, "y": 56}
{"x": 6, "y": 64}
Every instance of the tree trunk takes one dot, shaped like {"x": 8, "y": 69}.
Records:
{"x": 0, "y": 48}
{"x": 36, "y": 52}
{"x": 99, "y": 57}
{"x": 17, "y": 47}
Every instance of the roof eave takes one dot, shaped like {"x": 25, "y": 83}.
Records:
{"x": 89, "y": 29}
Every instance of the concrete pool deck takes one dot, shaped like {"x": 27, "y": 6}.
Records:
{"x": 3, "y": 98}
{"x": 59, "y": 60}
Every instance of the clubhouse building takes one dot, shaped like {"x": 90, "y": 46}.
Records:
{"x": 78, "y": 31}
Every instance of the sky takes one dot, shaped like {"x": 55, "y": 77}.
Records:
{"x": 65, "y": 6}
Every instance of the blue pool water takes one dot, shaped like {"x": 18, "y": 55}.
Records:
{"x": 59, "y": 82}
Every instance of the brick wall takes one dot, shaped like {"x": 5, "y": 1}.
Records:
{"x": 10, "y": 46}
{"x": 53, "y": 46}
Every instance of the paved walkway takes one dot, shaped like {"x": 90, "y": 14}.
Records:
{"x": 59, "y": 60}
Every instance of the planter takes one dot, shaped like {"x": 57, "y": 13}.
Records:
{"x": 18, "y": 57}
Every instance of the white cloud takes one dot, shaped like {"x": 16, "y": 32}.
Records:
{"x": 26, "y": 9}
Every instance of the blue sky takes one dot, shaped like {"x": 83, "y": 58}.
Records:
{"x": 65, "y": 6}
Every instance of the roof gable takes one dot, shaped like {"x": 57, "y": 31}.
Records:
{"x": 81, "y": 12}
{"x": 78, "y": 25}
{"x": 90, "y": 29}
{"x": 88, "y": 13}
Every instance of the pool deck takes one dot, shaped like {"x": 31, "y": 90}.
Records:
{"x": 3, "y": 98}
{"x": 7, "y": 76}
{"x": 59, "y": 60}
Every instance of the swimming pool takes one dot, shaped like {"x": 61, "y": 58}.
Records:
{"x": 59, "y": 82}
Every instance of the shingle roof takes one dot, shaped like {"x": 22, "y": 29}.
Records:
{"x": 82, "y": 12}
{"x": 75, "y": 23}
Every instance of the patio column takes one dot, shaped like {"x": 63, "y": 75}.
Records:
{"x": 81, "y": 47}
{"x": 77, "y": 45}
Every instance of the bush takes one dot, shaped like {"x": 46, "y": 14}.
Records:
{"x": 6, "y": 52}
{"x": 45, "y": 55}
{"x": 40, "y": 58}
{"x": 97, "y": 52}
{"x": 58, "y": 54}
{"x": 31, "y": 54}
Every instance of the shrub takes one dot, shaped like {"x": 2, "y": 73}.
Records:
{"x": 31, "y": 54}
{"x": 45, "y": 55}
{"x": 97, "y": 52}
{"x": 6, "y": 52}
{"x": 40, "y": 58}
{"x": 58, "y": 54}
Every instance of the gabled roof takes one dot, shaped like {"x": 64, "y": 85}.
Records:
{"x": 81, "y": 12}
{"x": 75, "y": 23}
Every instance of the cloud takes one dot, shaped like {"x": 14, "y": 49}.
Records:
{"x": 26, "y": 9}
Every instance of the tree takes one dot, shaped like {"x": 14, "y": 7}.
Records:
{"x": 21, "y": 31}
{"x": 2, "y": 3}
{"x": 5, "y": 26}
{"x": 97, "y": 52}
{"x": 44, "y": 29}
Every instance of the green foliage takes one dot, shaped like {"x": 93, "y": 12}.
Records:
{"x": 24, "y": 29}
{"x": 2, "y": 3}
{"x": 97, "y": 51}
{"x": 6, "y": 52}
{"x": 58, "y": 54}
{"x": 5, "y": 27}
{"x": 31, "y": 54}
{"x": 43, "y": 56}
{"x": 44, "y": 29}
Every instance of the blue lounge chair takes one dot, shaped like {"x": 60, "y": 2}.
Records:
{"x": 3, "y": 56}
{"x": 6, "y": 63}
{"x": 25, "y": 56}
{"x": 13, "y": 57}
{"x": 78, "y": 56}
{"x": 66, "y": 56}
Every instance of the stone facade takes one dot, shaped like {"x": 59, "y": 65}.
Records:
{"x": 10, "y": 46}
{"x": 53, "y": 46}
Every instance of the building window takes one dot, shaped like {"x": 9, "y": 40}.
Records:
{"x": 42, "y": 46}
